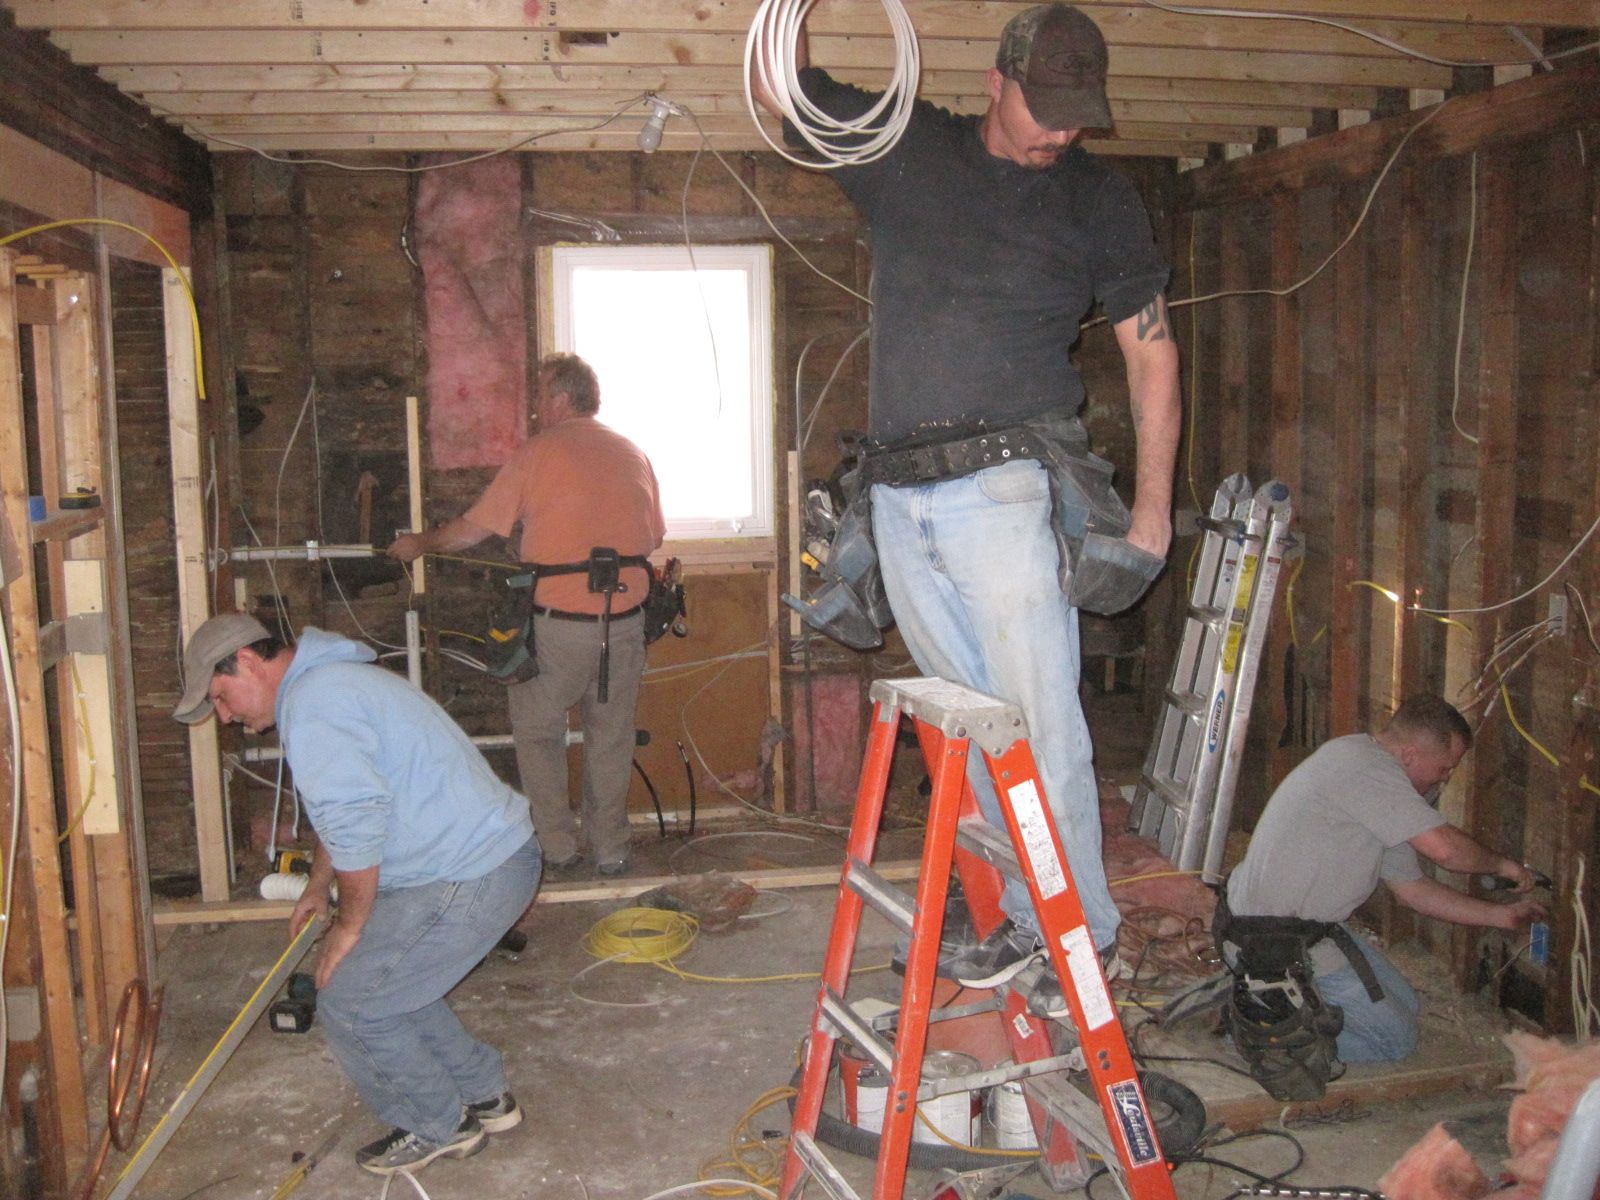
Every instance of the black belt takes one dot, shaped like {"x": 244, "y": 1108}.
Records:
{"x": 561, "y": 614}
{"x": 1268, "y": 946}
{"x": 962, "y": 455}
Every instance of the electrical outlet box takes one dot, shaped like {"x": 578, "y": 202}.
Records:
{"x": 1557, "y": 616}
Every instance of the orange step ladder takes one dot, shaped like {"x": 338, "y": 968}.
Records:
{"x": 1110, "y": 1119}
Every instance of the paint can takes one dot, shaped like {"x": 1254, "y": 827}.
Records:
{"x": 852, "y": 1068}
{"x": 957, "y": 1115}
{"x": 1009, "y": 1120}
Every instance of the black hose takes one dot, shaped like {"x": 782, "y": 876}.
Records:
{"x": 688, "y": 773}
{"x": 661, "y": 820}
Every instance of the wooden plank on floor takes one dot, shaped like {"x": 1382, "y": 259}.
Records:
{"x": 1254, "y": 1112}
{"x": 191, "y": 912}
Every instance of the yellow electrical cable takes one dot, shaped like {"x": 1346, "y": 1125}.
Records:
{"x": 194, "y": 309}
{"x": 658, "y": 936}
{"x": 1505, "y": 698}
{"x": 749, "y": 1154}
{"x": 88, "y": 748}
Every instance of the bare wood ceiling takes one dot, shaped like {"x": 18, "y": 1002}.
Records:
{"x": 332, "y": 75}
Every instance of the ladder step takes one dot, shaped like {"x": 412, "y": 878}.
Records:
{"x": 1171, "y": 794}
{"x": 823, "y": 1171}
{"x": 850, "y": 1024}
{"x": 1210, "y": 615}
{"x": 1190, "y": 704}
{"x": 982, "y": 839}
{"x": 955, "y": 710}
{"x": 881, "y": 895}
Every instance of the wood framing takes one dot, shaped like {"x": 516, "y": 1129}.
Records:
{"x": 194, "y": 603}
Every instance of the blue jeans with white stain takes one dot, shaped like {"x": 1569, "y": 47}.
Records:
{"x": 1385, "y": 1031}
{"x": 970, "y": 567}
{"x": 384, "y": 1014}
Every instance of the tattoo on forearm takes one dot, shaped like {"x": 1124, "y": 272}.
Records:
{"x": 1152, "y": 326}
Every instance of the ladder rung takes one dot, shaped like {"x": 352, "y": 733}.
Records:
{"x": 990, "y": 844}
{"x": 823, "y": 1171}
{"x": 1170, "y": 793}
{"x": 1207, "y": 614}
{"x": 846, "y": 1020}
{"x": 1190, "y": 704}
{"x": 881, "y": 895}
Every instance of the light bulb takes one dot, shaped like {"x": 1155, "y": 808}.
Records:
{"x": 650, "y": 131}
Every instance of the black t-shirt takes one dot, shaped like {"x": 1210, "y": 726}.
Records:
{"x": 982, "y": 269}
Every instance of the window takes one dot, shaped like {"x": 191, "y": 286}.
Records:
{"x": 683, "y": 350}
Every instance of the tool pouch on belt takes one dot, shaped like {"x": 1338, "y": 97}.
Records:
{"x": 850, "y": 605}
{"x": 1287, "y": 1034}
{"x": 664, "y": 607}
{"x": 510, "y": 654}
{"x": 1100, "y": 570}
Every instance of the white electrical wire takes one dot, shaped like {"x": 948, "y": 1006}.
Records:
{"x": 769, "y": 57}
{"x": 1559, "y": 567}
{"x": 14, "y": 708}
{"x": 1461, "y": 312}
{"x": 1388, "y": 43}
{"x": 1585, "y": 1012}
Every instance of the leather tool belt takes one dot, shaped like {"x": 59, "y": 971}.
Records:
{"x": 933, "y": 462}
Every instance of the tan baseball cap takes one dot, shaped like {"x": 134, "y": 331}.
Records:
{"x": 1059, "y": 57}
{"x": 219, "y": 637}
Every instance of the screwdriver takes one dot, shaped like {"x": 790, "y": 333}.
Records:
{"x": 1499, "y": 883}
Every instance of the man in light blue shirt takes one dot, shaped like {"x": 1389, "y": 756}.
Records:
{"x": 433, "y": 855}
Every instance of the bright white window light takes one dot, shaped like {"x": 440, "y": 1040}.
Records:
{"x": 684, "y": 355}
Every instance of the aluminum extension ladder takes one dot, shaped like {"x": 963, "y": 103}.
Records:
{"x": 1111, "y": 1118}
{"x": 1185, "y": 795}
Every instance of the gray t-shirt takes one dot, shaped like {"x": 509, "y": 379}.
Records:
{"x": 1336, "y": 825}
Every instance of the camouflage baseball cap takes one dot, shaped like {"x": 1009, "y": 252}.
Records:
{"x": 1058, "y": 55}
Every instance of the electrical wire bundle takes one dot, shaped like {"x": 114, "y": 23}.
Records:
{"x": 769, "y": 56}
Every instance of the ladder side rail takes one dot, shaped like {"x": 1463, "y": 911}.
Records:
{"x": 859, "y": 847}
{"x": 1209, "y": 725}
{"x": 1077, "y": 963}
{"x": 1276, "y": 544}
{"x": 948, "y": 767}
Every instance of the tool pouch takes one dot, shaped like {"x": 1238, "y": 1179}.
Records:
{"x": 1100, "y": 570}
{"x": 850, "y": 606}
{"x": 510, "y": 656}
{"x": 664, "y": 606}
{"x": 1287, "y": 1035}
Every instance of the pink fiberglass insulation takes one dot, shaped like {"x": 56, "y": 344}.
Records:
{"x": 467, "y": 227}
{"x": 1436, "y": 1168}
{"x": 1552, "y": 1076}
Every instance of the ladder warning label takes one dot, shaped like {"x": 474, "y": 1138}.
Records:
{"x": 1083, "y": 961}
{"x": 1137, "y": 1133}
{"x": 1047, "y": 872}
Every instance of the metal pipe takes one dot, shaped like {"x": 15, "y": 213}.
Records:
{"x": 311, "y": 551}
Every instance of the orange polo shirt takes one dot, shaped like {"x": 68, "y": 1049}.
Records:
{"x": 574, "y": 487}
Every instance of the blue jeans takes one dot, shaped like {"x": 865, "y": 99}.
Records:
{"x": 1381, "y": 1032}
{"x": 970, "y": 567}
{"x": 384, "y": 1014}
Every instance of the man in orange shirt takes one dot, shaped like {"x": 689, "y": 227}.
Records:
{"x": 574, "y": 486}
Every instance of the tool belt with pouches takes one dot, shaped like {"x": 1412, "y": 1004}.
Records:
{"x": 512, "y": 656}
{"x": 1099, "y": 569}
{"x": 1280, "y": 1024}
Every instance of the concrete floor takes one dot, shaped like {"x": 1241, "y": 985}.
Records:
{"x": 632, "y": 1078}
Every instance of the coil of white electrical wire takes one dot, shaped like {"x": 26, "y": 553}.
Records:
{"x": 769, "y": 56}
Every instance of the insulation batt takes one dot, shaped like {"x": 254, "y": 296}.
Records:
{"x": 1552, "y": 1075}
{"x": 1436, "y": 1168}
{"x": 467, "y": 226}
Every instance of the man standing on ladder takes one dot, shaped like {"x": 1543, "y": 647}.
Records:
{"x": 992, "y": 237}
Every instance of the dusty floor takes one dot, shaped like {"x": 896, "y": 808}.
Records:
{"x": 633, "y": 1078}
